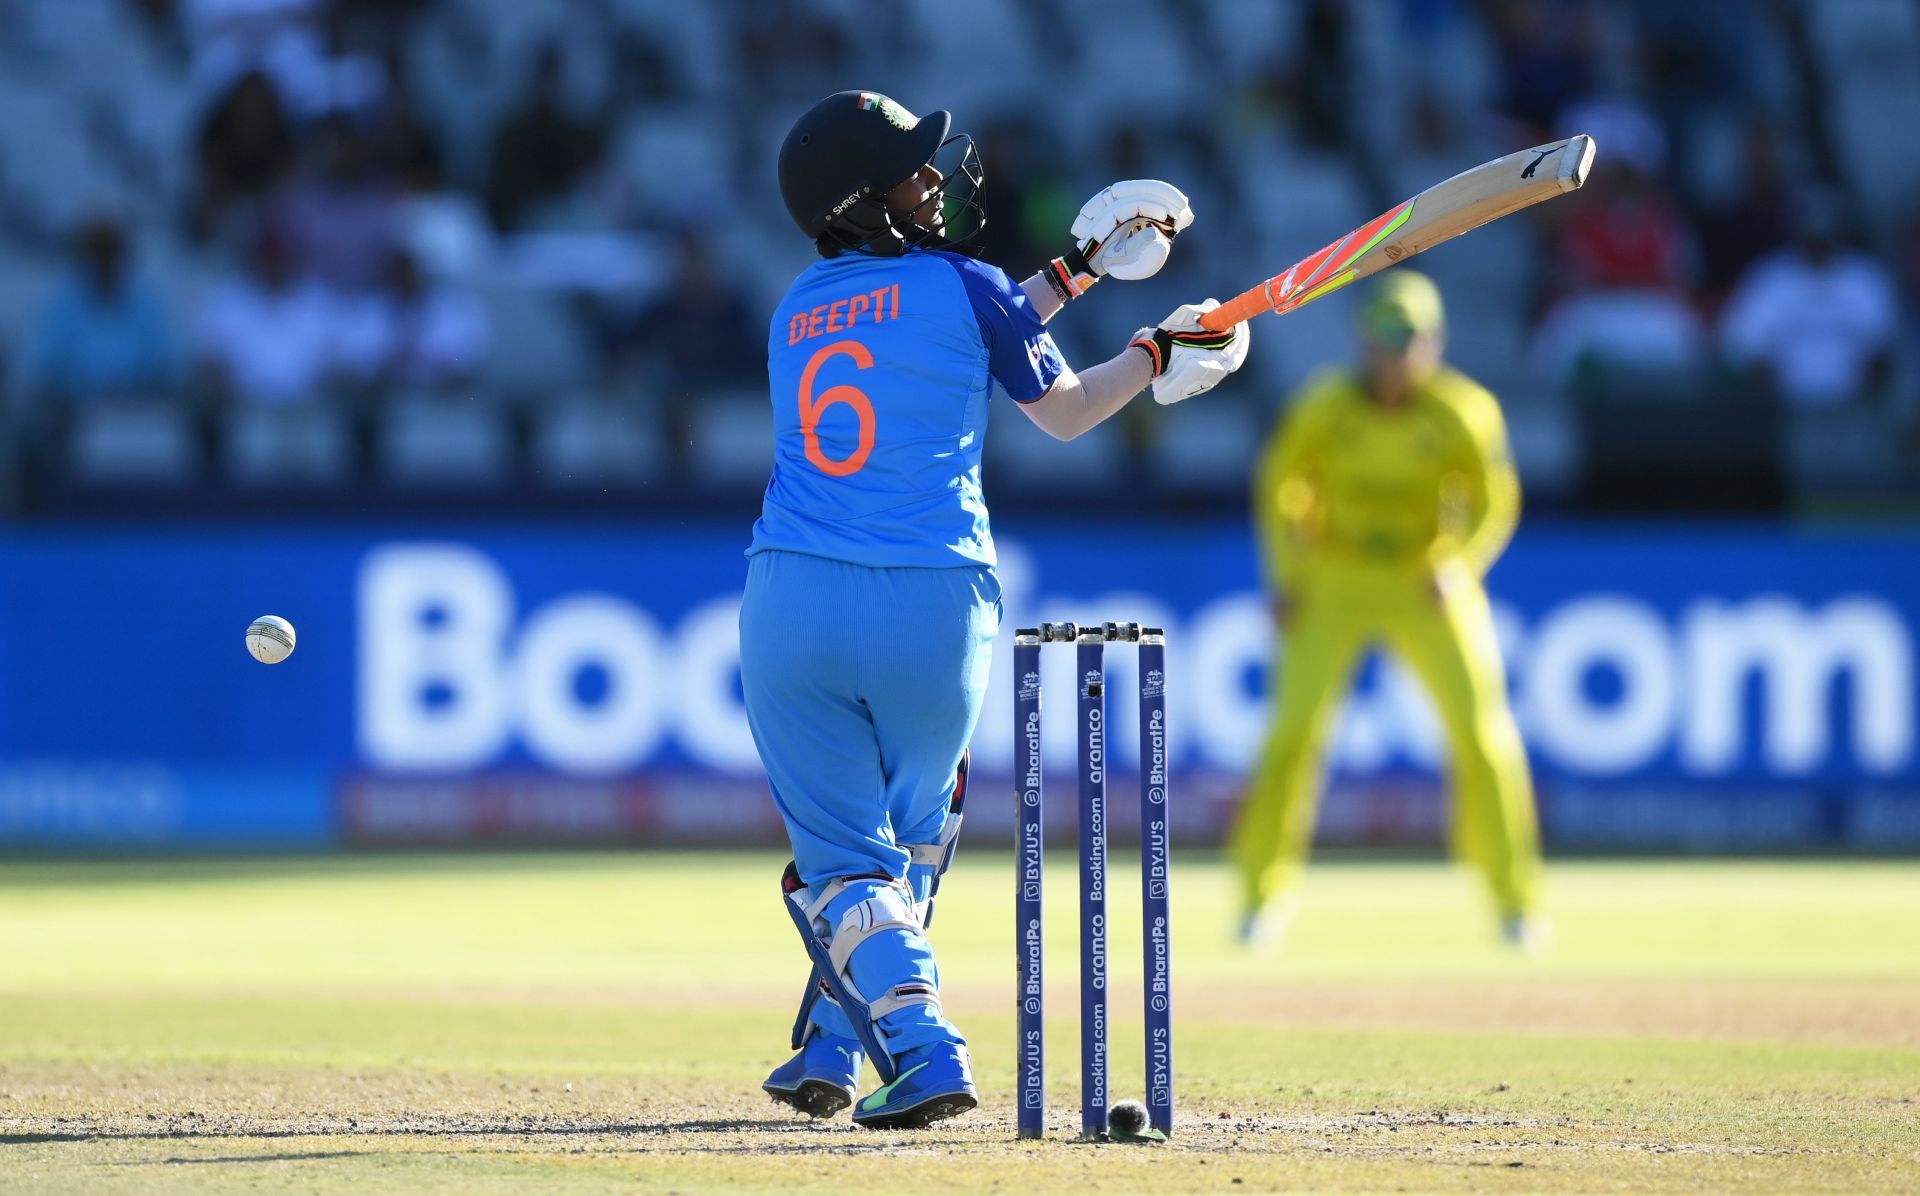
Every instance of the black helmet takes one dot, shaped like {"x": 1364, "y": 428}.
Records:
{"x": 847, "y": 151}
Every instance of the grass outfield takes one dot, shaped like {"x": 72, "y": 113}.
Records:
{"x": 601, "y": 1022}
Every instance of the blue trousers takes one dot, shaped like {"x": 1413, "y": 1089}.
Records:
{"x": 862, "y": 688}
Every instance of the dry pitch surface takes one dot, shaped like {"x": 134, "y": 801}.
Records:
{"x": 601, "y": 1022}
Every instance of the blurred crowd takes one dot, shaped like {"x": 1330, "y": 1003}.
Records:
{"x": 361, "y": 253}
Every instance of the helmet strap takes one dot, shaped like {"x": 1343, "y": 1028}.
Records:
{"x": 868, "y": 226}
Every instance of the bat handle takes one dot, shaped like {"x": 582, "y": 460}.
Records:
{"x": 1237, "y": 310}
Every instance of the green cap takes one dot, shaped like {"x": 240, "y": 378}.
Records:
{"x": 1404, "y": 304}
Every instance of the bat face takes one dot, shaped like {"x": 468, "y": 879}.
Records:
{"x": 1441, "y": 212}
{"x": 1332, "y": 268}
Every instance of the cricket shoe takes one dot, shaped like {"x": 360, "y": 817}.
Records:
{"x": 819, "y": 1080}
{"x": 1264, "y": 928}
{"x": 935, "y": 1083}
{"x": 1530, "y": 934}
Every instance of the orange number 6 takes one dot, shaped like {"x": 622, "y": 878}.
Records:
{"x": 852, "y": 396}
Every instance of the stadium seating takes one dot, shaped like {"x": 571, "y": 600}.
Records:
{"x": 430, "y": 442}
{"x": 1207, "y": 448}
{"x": 588, "y": 442}
{"x": 730, "y": 439}
{"x": 1023, "y": 460}
{"x": 100, "y": 110}
{"x": 288, "y": 446}
{"x": 148, "y": 442}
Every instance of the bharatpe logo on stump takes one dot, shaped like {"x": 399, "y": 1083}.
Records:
{"x": 1156, "y": 769}
{"x": 1030, "y": 863}
{"x": 1159, "y": 980}
{"x": 1030, "y": 940}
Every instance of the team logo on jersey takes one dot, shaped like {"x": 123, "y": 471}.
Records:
{"x": 898, "y": 117}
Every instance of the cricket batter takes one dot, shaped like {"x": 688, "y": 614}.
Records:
{"x": 1381, "y": 502}
{"x": 871, "y": 600}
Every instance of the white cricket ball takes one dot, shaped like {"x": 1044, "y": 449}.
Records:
{"x": 270, "y": 639}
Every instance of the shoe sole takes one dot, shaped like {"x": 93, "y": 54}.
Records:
{"x": 922, "y": 1115}
{"x": 816, "y": 1098}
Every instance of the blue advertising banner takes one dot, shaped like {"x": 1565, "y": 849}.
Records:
{"x": 1697, "y": 686}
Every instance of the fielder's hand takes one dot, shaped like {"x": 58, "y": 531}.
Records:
{"x": 1126, "y": 231}
{"x": 1187, "y": 359}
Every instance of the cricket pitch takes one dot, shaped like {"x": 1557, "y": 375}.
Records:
{"x": 596, "y": 1022}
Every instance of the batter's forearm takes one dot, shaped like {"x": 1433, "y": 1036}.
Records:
{"x": 1079, "y": 402}
{"x": 1045, "y": 299}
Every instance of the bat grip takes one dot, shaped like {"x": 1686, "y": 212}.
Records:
{"x": 1237, "y": 310}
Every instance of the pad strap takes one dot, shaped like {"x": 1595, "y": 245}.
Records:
{"x": 937, "y": 855}
{"x": 902, "y": 995}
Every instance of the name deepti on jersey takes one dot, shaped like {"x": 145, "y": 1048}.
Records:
{"x": 883, "y": 303}
{"x": 881, "y": 372}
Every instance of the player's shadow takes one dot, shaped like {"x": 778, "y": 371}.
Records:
{"x": 728, "y": 1125}
{"x": 774, "y": 1136}
{"x": 288, "y": 1157}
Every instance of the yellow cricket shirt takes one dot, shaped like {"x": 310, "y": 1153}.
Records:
{"x": 1415, "y": 485}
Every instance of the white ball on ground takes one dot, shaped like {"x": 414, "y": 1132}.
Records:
{"x": 270, "y": 639}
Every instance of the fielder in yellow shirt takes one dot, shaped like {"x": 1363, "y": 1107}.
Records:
{"x": 1381, "y": 502}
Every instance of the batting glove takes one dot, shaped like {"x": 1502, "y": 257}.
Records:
{"x": 1125, "y": 231}
{"x": 1188, "y": 359}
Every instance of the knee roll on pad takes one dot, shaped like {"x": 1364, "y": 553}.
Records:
{"x": 889, "y": 909}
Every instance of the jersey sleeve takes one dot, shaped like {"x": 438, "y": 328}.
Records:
{"x": 1021, "y": 354}
{"x": 1286, "y": 482}
{"x": 1486, "y": 467}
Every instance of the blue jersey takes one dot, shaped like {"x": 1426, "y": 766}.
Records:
{"x": 881, "y": 368}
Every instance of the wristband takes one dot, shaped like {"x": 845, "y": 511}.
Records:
{"x": 1070, "y": 275}
{"x": 1160, "y": 342}
{"x": 1158, "y": 346}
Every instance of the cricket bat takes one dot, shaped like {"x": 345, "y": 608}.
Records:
{"x": 1440, "y": 213}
